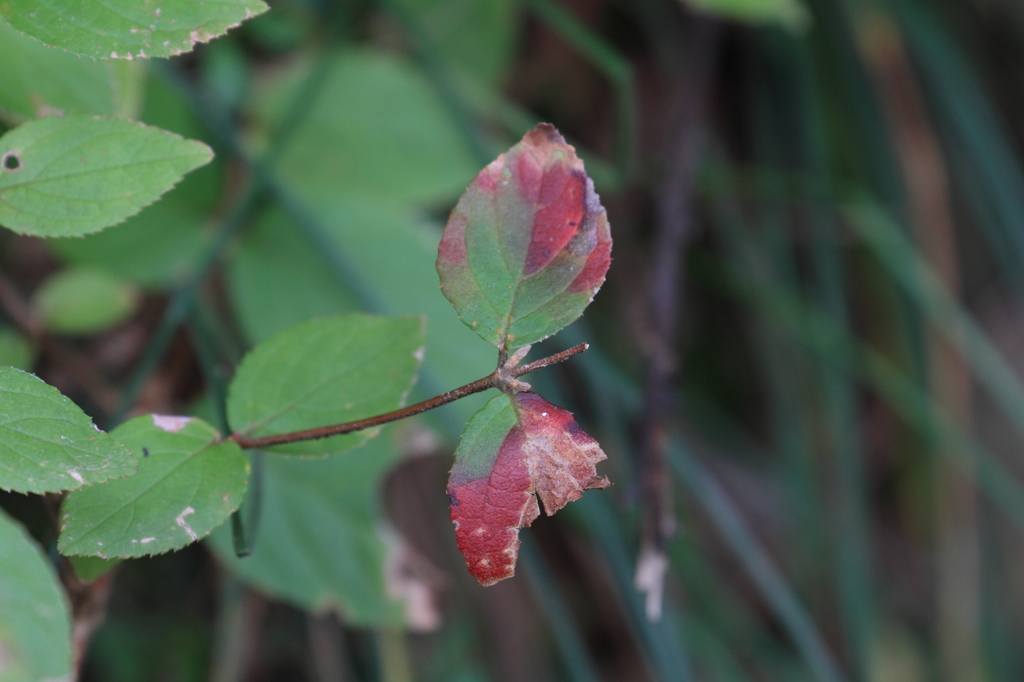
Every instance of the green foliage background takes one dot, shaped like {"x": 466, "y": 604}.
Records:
{"x": 844, "y": 441}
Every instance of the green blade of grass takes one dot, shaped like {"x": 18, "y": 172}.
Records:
{"x": 903, "y": 395}
{"x": 983, "y": 160}
{"x": 906, "y": 266}
{"x": 759, "y": 566}
{"x": 623, "y": 396}
{"x": 570, "y": 645}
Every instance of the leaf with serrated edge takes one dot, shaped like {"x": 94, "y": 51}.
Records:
{"x": 35, "y": 618}
{"x": 515, "y": 450}
{"x": 47, "y": 444}
{"x": 188, "y": 484}
{"x": 127, "y": 29}
{"x": 322, "y": 372}
{"x": 528, "y": 244}
{"x": 72, "y": 175}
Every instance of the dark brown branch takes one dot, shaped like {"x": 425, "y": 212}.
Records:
{"x": 675, "y": 229}
{"x": 503, "y": 378}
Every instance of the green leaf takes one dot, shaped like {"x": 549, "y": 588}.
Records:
{"x": 159, "y": 246}
{"x": 84, "y": 301}
{"x": 16, "y": 350}
{"x": 125, "y": 29}
{"x": 37, "y": 80}
{"x": 154, "y": 249}
{"x": 321, "y": 542}
{"x": 326, "y": 371}
{"x": 35, "y": 618}
{"x": 789, "y": 13}
{"x": 376, "y": 132}
{"x": 69, "y": 176}
{"x": 276, "y": 280}
{"x": 477, "y": 37}
{"x": 518, "y": 449}
{"x": 188, "y": 484}
{"x": 528, "y": 245}
{"x": 47, "y": 444}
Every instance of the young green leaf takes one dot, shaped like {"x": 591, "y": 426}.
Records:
{"x": 326, "y": 371}
{"x": 528, "y": 244}
{"x": 515, "y": 450}
{"x": 322, "y": 542}
{"x": 35, "y": 619}
{"x": 188, "y": 484}
{"x": 127, "y": 29}
{"x": 84, "y": 301}
{"x": 72, "y": 175}
{"x": 47, "y": 444}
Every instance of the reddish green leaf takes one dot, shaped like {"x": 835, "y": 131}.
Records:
{"x": 514, "y": 450}
{"x": 528, "y": 244}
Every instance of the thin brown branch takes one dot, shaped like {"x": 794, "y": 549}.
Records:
{"x": 552, "y": 360}
{"x": 503, "y": 378}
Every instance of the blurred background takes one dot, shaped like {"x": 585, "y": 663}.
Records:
{"x": 805, "y": 363}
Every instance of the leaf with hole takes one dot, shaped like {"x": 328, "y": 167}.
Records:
{"x": 127, "y": 29}
{"x": 518, "y": 449}
{"x": 72, "y": 175}
{"x": 158, "y": 246}
{"x": 528, "y": 244}
{"x": 326, "y": 371}
{"x": 35, "y": 618}
{"x": 47, "y": 444}
{"x": 188, "y": 484}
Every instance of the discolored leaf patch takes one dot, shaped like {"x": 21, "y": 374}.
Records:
{"x": 189, "y": 483}
{"x": 517, "y": 449}
{"x": 528, "y": 244}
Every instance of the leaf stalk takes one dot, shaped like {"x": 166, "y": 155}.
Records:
{"x": 505, "y": 377}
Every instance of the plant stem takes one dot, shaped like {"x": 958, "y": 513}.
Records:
{"x": 502, "y": 378}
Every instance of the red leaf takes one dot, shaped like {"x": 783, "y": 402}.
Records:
{"x": 544, "y": 454}
{"x": 528, "y": 244}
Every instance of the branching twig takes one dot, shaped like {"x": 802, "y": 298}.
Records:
{"x": 504, "y": 378}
